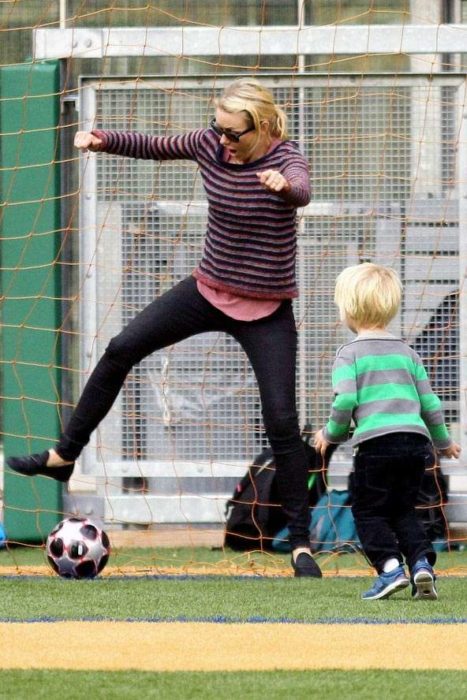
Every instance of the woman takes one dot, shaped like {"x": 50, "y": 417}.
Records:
{"x": 254, "y": 180}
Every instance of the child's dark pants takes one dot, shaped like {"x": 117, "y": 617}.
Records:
{"x": 387, "y": 478}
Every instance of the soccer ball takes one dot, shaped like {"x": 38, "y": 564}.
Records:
{"x": 77, "y": 548}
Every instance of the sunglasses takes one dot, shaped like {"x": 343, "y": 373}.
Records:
{"x": 228, "y": 133}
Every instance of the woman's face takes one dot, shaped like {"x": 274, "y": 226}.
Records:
{"x": 248, "y": 146}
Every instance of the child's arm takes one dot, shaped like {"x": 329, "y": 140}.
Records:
{"x": 344, "y": 384}
{"x": 432, "y": 414}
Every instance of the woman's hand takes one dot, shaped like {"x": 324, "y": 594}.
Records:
{"x": 273, "y": 181}
{"x": 87, "y": 141}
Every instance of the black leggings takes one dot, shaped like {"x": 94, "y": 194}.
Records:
{"x": 271, "y": 346}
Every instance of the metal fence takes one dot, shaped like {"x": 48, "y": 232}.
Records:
{"x": 386, "y": 164}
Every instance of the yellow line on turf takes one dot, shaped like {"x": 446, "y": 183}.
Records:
{"x": 180, "y": 646}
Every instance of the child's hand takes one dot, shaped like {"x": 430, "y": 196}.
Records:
{"x": 320, "y": 443}
{"x": 453, "y": 451}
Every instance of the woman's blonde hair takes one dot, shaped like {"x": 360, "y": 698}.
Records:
{"x": 368, "y": 294}
{"x": 250, "y": 96}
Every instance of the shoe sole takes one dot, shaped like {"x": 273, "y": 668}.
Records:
{"x": 424, "y": 586}
{"x": 309, "y": 573}
{"x": 309, "y": 570}
{"x": 398, "y": 585}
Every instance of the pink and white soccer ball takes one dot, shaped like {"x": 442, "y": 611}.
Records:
{"x": 77, "y": 548}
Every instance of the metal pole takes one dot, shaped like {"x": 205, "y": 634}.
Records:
{"x": 63, "y": 13}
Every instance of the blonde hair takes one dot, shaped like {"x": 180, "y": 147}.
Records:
{"x": 250, "y": 96}
{"x": 368, "y": 294}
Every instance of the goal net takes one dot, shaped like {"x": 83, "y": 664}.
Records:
{"x": 375, "y": 96}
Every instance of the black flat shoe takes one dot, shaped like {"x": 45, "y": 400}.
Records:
{"x": 305, "y": 565}
{"x": 35, "y": 465}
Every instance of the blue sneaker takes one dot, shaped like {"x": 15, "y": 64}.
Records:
{"x": 387, "y": 584}
{"x": 423, "y": 579}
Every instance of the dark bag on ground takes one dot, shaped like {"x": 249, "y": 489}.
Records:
{"x": 332, "y": 525}
{"x": 253, "y": 514}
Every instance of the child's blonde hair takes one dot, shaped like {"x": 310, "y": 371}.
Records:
{"x": 368, "y": 294}
{"x": 250, "y": 96}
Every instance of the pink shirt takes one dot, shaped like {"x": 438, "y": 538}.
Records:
{"x": 239, "y": 308}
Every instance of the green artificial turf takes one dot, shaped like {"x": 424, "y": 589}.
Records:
{"x": 223, "y": 598}
{"x": 274, "y": 685}
{"x": 216, "y": 597}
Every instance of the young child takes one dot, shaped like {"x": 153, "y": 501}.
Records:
{"x": 381, "y": 385}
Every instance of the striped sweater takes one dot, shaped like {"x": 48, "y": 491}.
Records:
{"x": 380, "y": 383}
{"x": 250, "y": 244}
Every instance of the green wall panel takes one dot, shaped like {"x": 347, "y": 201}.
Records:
{"x": 29, "y": 225}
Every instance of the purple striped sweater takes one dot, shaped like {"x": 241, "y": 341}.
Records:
{"x": 251, "y": 238}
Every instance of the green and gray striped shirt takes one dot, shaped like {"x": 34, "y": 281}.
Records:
{"x": 380, "y": 384}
